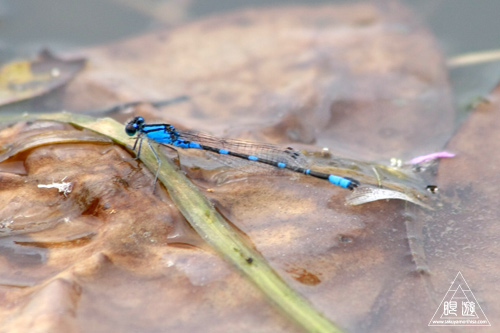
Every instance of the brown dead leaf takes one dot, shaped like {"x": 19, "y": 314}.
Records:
{"x": 464, "y": 235}
{"x": 110, "y": 248}
{"x": 116, "y": 257}
{"x": 312, "y": 75}
{"x": 21, "y": 80}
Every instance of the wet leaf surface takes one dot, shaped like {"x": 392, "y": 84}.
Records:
{"x": 465, "y": 235}
{"x": 303, "y": 75}
{"x": 59, "y": 248}
{"x": 112, "y": 255}
{"x": 21, "y": 80}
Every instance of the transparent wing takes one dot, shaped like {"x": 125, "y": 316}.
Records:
{"x": 270, "y": 152}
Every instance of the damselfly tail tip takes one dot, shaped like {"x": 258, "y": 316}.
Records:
{"x": 353, "y": 184}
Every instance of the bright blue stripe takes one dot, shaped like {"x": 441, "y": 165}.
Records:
{"x": 195, "y": 145}
{"x": 281, "y": 165}
{"x": 161, "y": 137}
{"x": 153, "y": 128}
{"x": 182, "y": 144}
{"x": 223, "y": 151}
{"x": 340, "y": 181}
{"x": 253, "y": 158}
{"x": 307, "y": 171}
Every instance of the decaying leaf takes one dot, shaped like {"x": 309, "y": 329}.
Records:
{"x": 21, "y": 80}
{"x": 344, "y": 77}
{"x": 113, "y": 255}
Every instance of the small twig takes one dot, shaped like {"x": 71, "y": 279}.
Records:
{"x": 474, "y": 58}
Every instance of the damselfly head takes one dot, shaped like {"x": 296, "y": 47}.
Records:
{"x": 134, "y": 125}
